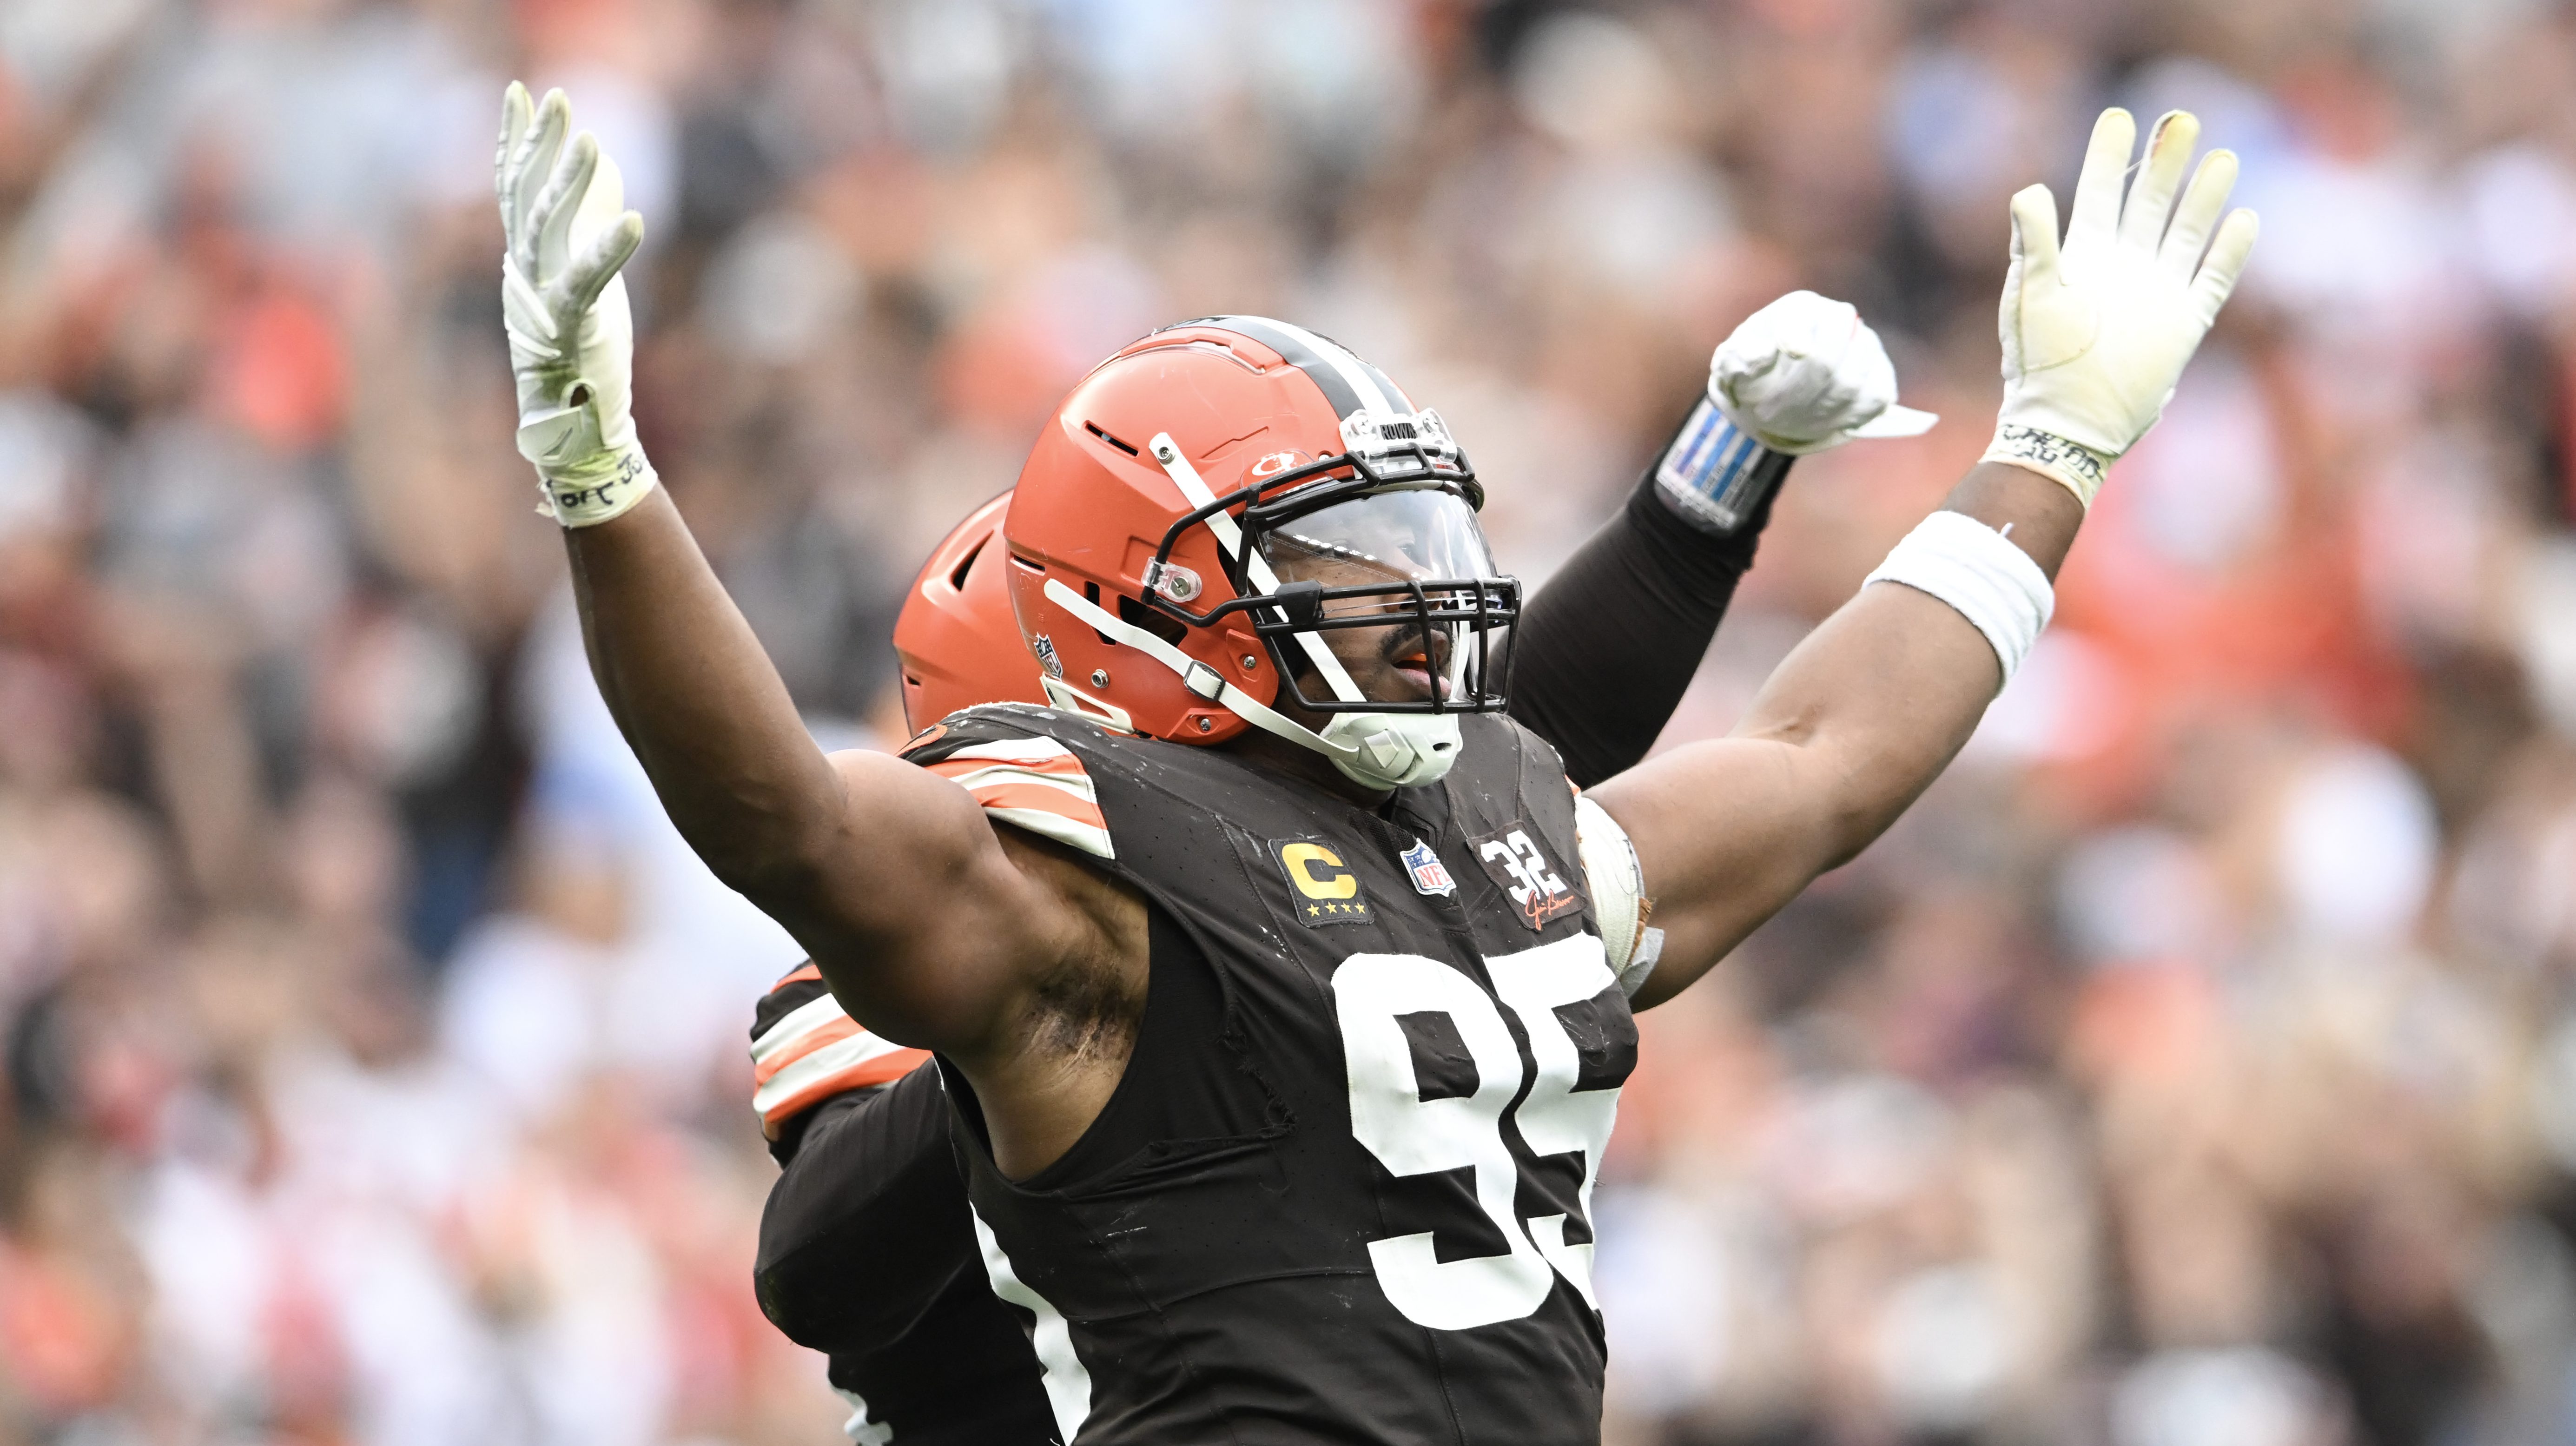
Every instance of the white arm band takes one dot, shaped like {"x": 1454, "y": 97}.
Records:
{"x": 1982, "y": 573}
{"x": 1618, "y": 889}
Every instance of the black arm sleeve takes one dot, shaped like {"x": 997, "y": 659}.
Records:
{"x": 1607, "y": 647}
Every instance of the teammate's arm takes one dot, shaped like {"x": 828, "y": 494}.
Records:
{"x": 847, "y": 852}
{"x": 1867, "y": 711}
{"x": 1603, "y": 652}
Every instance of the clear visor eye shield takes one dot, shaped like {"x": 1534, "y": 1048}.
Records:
{"x": 1383, "y": 537}
{"x": 1404, "y": 559}
{"x": 1388, "y": 542}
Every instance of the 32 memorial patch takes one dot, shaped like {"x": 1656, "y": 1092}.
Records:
{"x": 1321, "y": 889}
{"x": 1536, "y": 887}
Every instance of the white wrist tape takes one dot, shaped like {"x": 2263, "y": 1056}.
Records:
{"x": 2070, "y": 464}
{"x": 1980, "y": 572}
{"x": 588, "y": 495}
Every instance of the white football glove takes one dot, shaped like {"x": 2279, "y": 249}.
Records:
{"x": 1806, "y": 373}
{"x": 2095, "y": 335}
{"x": 565, "y": 232}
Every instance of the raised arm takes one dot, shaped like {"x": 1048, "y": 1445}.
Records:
{"x": 1604, "y": 650}
{"x": 1865, "y": 713}
{"x": 842, "y": 851}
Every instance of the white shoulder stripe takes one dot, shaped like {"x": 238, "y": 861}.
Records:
{"x": 1078, "y": 785}
{"x": 830, "y": 1060}
{"x": 1013, "y": 750}
{"x": 1073, "y": 833}
{"x": 1352, "y": 370}
{"x": 803, "y": 1020}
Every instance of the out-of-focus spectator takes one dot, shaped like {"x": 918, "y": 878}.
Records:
{"x": 2197, "y": 1064}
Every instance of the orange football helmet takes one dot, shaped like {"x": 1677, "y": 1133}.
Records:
{"x": 956, "y": 638}
{"x": 1215, "y": 499}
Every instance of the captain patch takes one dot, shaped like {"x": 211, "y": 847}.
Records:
{"x": 1321, "y": 889}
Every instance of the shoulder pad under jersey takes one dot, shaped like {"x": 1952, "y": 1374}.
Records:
{"x": 1002, "y": 754}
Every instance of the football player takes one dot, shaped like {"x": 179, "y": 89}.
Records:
{"x": 866, "y": 1252}
{"x": 1281, "y": 985}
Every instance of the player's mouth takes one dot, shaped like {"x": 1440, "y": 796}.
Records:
{"x": 1424, "y": 668}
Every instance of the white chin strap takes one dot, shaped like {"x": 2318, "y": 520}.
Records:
{"x": 1374, "y": 750}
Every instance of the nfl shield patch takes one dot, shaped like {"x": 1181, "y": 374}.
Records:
{"x": 1429, "y": 875}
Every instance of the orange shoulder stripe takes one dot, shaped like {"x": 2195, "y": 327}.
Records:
{"x": 1062, "y": 766}
{"x": 884, "y": 1069}
{"x": 827, "y": 1032}
{"x": 1039, "y": 798}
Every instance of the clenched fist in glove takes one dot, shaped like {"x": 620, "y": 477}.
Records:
{"x": 1802, "y": 374}
{"x": 1806, "y": 373}
{"x": 2096, "y": 333}
{"x": 565, "y": 233}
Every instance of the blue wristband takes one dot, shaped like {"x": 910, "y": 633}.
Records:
{"x": 1714, "y": 477}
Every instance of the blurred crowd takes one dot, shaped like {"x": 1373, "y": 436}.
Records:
{"x": 2196, "y": 1065}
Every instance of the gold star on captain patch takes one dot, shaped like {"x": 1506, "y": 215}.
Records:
{"x": 1312, "y": 910}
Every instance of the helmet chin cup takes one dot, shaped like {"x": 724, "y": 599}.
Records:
{"x": 1392, "y": 750}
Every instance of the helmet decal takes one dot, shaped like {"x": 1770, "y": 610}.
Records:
{"x": 1273, "y": 463}
{"x": 1336, "y": 563}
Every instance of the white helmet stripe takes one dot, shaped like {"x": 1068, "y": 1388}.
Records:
{"x": 1394, "y": 393}
{"x": 1363, "y": 378}
{"x": 1361, "y": 386}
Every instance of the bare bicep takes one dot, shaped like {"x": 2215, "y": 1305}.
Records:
{"x": 1850, "y": 728}
{"x": 925, "y": 925}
